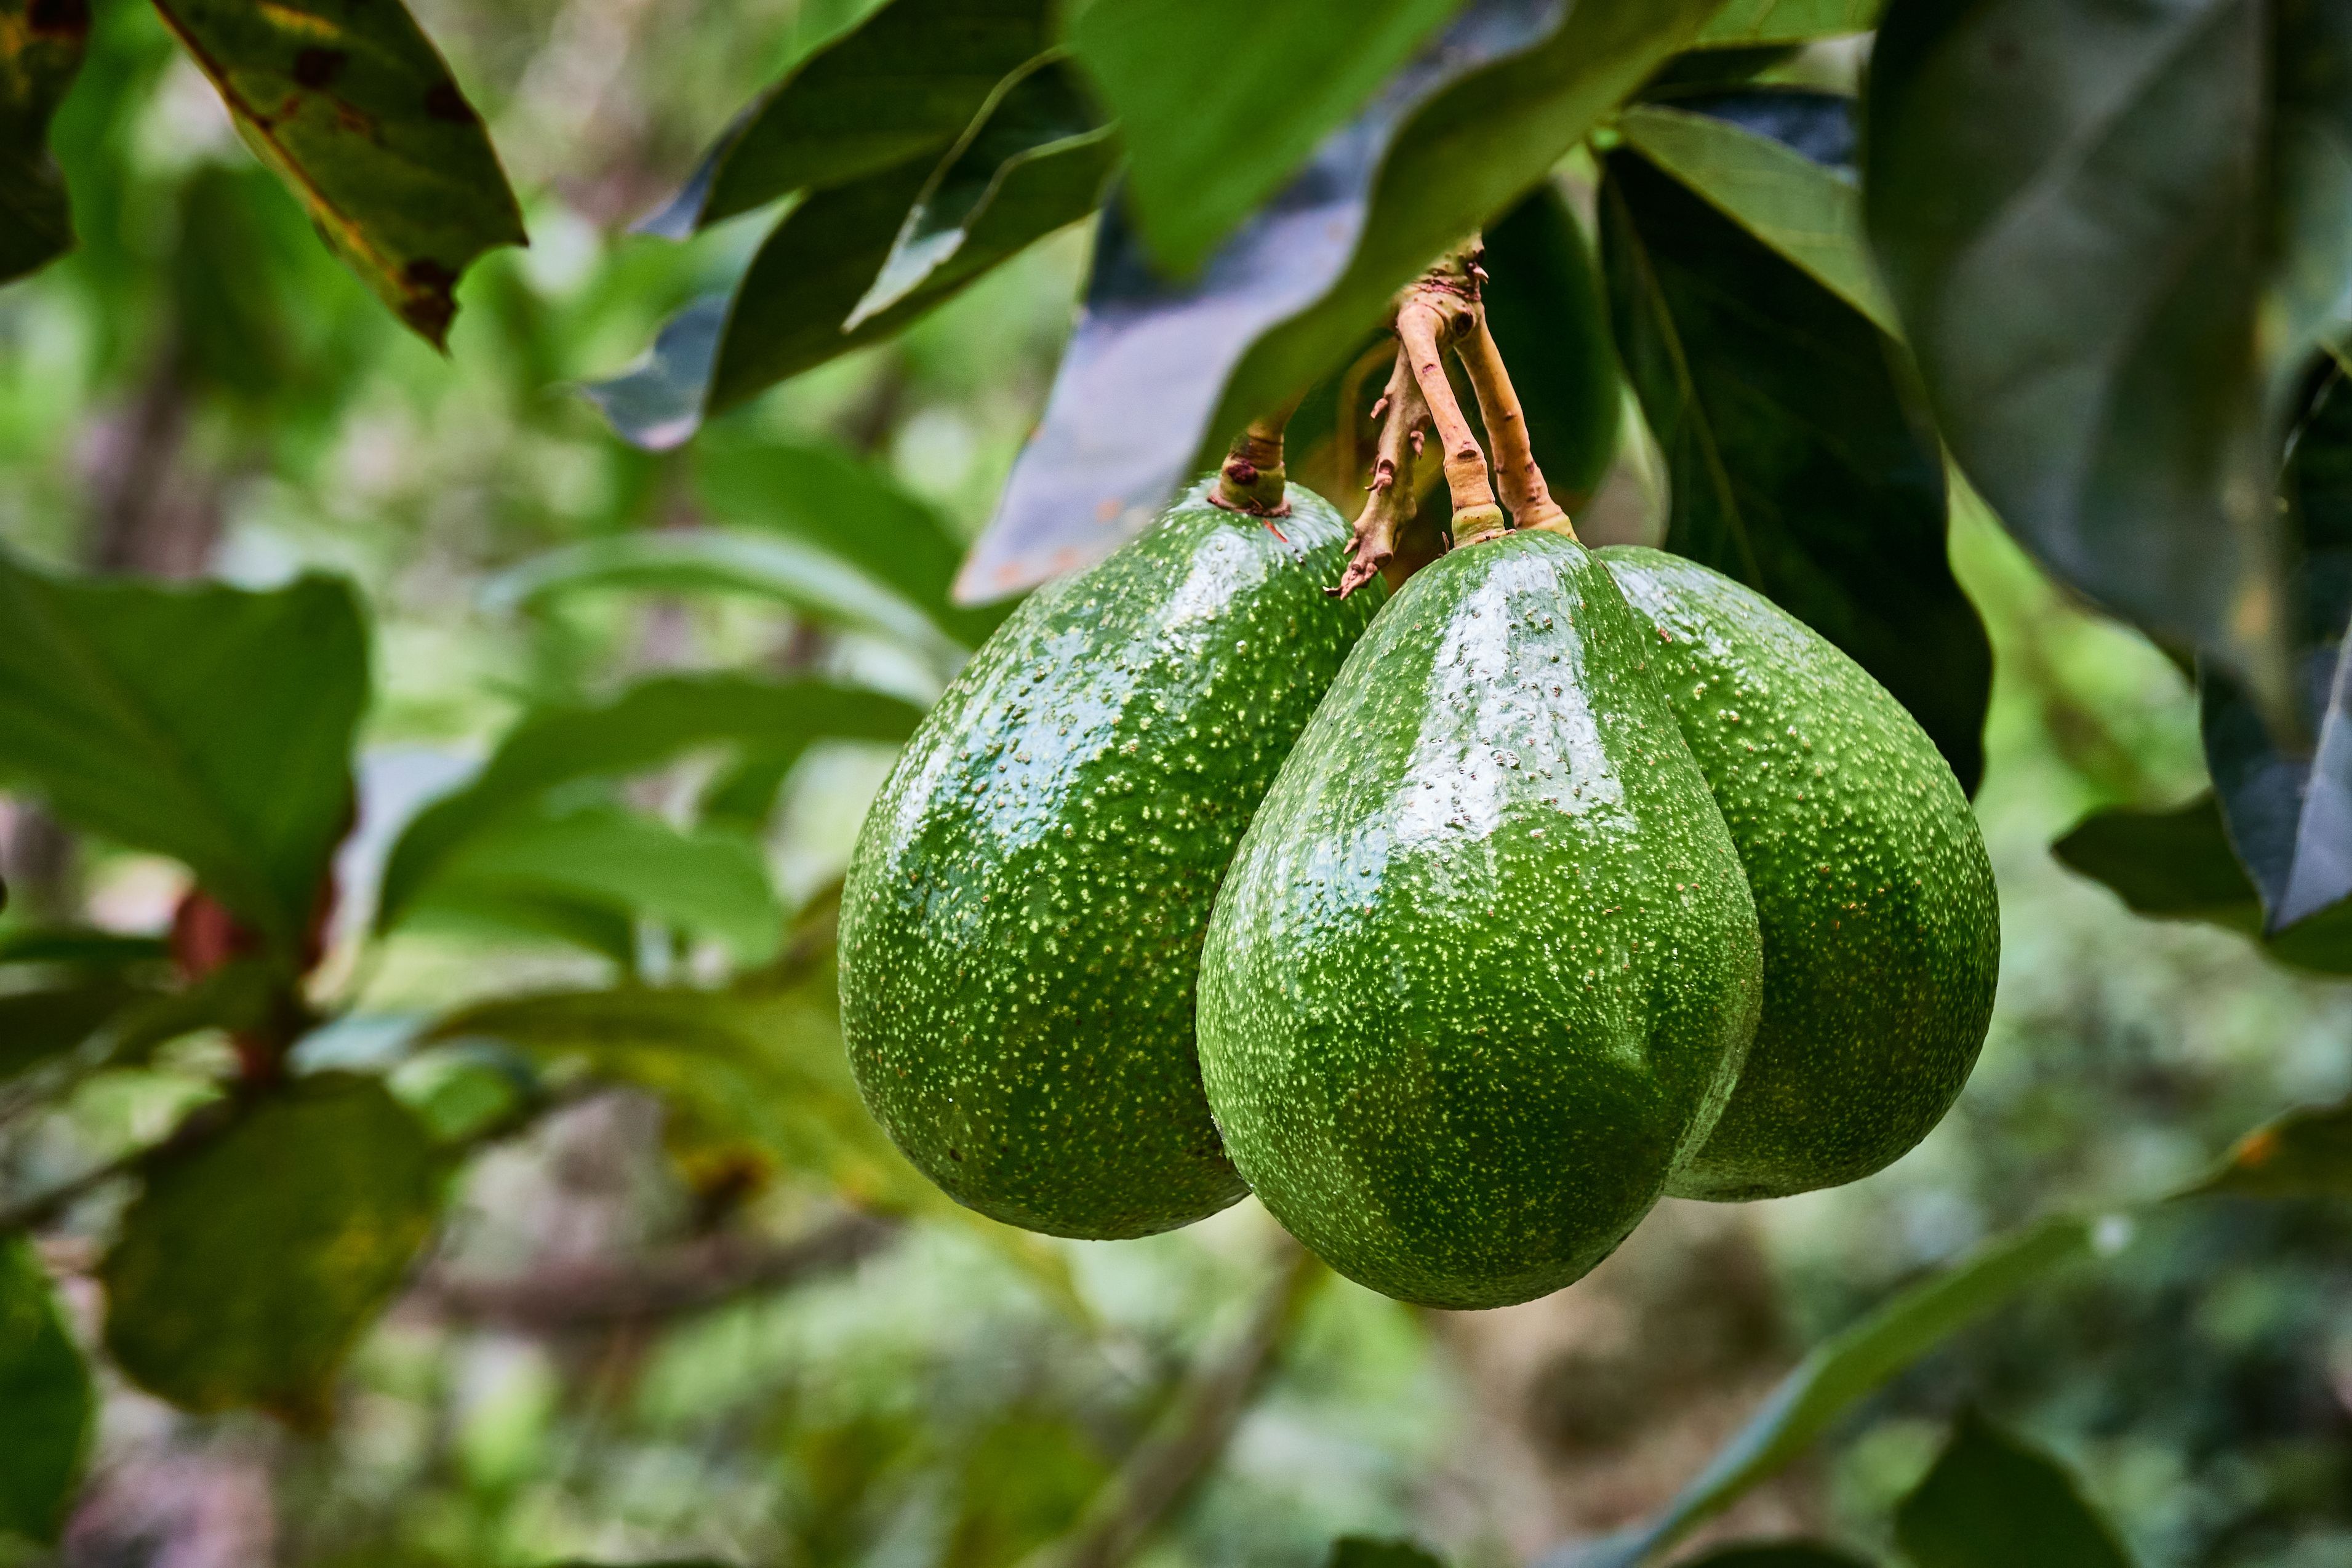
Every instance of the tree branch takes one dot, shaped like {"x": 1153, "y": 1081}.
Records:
{"x": 1391, "y": 504}
{"x": 1524, "y": 491}
{"x": 1192, "y": 1434}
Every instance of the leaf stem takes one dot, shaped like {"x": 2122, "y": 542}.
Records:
{"x": 1435, "y": 313}
{"x": 1522, "y": 480}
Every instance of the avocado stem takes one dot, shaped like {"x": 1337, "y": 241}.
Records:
{"x": 1391, "y": 504}
{"x": 1252, "y": 479}
{"x": 1522, "y": 480}
{"x": 1433, "y": 314}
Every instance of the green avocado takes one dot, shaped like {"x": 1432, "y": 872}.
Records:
{"x": 1485, "y": 968}
{"x": 1882, "y": 930}
{"x": 1023, "y": 917}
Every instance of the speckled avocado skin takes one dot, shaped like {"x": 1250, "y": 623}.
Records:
{"x": 1484, "y": 968}
{"x": 1882, "y": 930}
{"x": 1023, "y": 920}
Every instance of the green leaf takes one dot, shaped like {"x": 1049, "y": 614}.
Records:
{"x": 46, "y": 1390}
{"x": 585, "y": 874}
{"x": 1810, "y": 213}
{"x": 351, "y": 107}
{"x": 1377, "y": 1551}
{"x": 36, "y": 1026}
{"x": 206, "y": 723}
{"x": 2179, "y": 865}
{"x": 41, "y": 44}
{"x": 1034, "y": 113}
{"x": 1223, "y": 100}
{"x": 2116, "y": 238}
{"x": 647, "y": 726}
{"x": 251, "y": 1263}
{"x": 813, "y": 583}
{"x": 902, "y": 84}
{"x": 1792, "y": 461}
{"x": 2306, "y": 1153}
{"x": 820, "y": 494}
{"x": 1546, "y": 307}
{"x": 1992, "y": 1501}
{"x": 790, "y": 310}
{"x": 1778, "y": 1555}
{"x": 81, "y": 947}
{"x": 1842, "y": 1371}
{"x": 758, "y": 1068}
{"x": 1744, "y": 22}
{"x": 1461, "y": 160}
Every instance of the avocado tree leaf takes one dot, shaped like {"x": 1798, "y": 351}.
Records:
{"x": 899, "y": 86}
{"x": 351, "y": 105}
{"x": 814, "y": 582}
{"x": 40, "y": 1025}
{"x": 2305, "y": 1153}
{"x": 1747, "y": 22}
{"x": 1550, "y": 315}
{"x": 647, "y": 726}
{"x": 1794, "y": 462}
{"x": 83, "y": 948}
{"x": 2116, "y": 238}
{"x": 1223, "y": 100}
{"x": 818, "y": 494}
{"x": 45, "y": 1389}
{"x": 1837, "y": 1375}
{"x": 206, "y": 723}
{"x": 1380, "y": 1552}
{"x": 1033, "y": 111}
{"x": 1992, "y": 1501}
{"x": 1777, "y": 1554}
{"x": 1801, "y": 204}
{"x": 251, "y": 1262}
{"x": 2288, "y": 806}
{"x": 41, "y": 45}
{"x": 1158, "y": 373}
{"x": 790, "y": 310}
{"x": 554, "y": 872}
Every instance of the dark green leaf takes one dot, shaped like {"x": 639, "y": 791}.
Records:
{"x": 2306, "y": 1153}
{"x": 41, "y": 44}
{"x": 1810, "y": 213}
{"x": 355, "y": 109}
{"x": 649, "y": 724}
{"x": 1550, "y": 317}
{"x": 1375, "y": 1552}
{"x": 790, "y": 310}
{"x": 1223, "y": 100}
{"x": 1793, "y": 463}
{"x": 81, "y": 947}
{"x": 582, "y": 874}
{"x": 1839, "y": 1374}
{"x": 1700, "y": 72}
{"x": 1992, "y": 1501}
{"x": 1159, "y": 375}
{"x": 1032, "y": 113}
{"x": 898, "y": 87}
{"x": 2289, "y": 806}
{"x": 205, "y": 723}
{"x": 2116, "y": 238}
{"x": 46, "y": 1392}
{"x": 1788, "y": 21}
{"x": 40, "y": 1025}
{"x": 822, "y": 495}
{"x": 252, "y": 1262}
{"x": 1778, "y": 1555}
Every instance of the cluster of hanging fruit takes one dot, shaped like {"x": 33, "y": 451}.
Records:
{"x": 1458, "y": 912}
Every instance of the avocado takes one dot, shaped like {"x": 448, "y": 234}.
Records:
{"x": 1484, "y": 968}
{"x": 1023, "y": 917}
{"x": 1882, "y": 930}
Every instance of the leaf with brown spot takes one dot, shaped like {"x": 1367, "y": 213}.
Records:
{"x": 40, "y": 49}
{"x": 352, "y": 107}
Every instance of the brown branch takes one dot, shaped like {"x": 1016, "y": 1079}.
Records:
{"x": 1391, "y": 504}
{"x": 1347, "y": 433}
{"x": 691, "y": 1277}
{"x": 1522, "y": 480}
{"x": 1190, "y": 1438}
{"x": 1431, "y": 316}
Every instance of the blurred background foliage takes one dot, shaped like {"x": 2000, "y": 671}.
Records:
{"x": 658, "y": 1326}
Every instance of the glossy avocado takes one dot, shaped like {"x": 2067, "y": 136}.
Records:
{"x": 1881, "y": 931}
{"x": 1484, "y": 968}
{"x": 1022, "y": 918}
